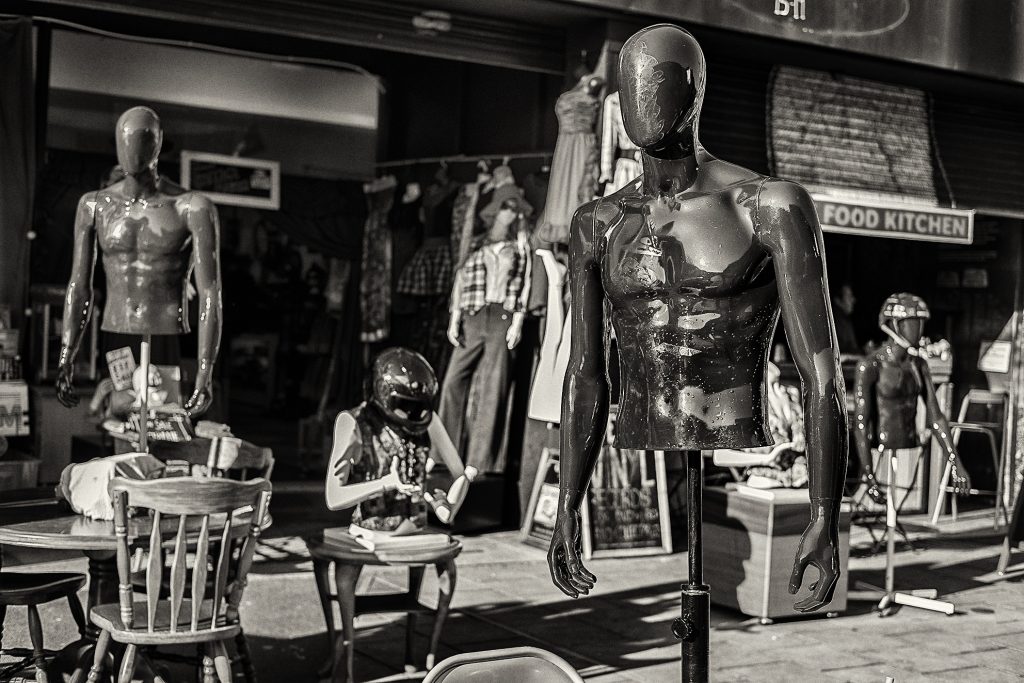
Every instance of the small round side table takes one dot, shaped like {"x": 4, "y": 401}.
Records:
{"x": 349, "y": 558}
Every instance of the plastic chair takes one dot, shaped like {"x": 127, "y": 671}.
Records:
{"x": 520, "y": 664}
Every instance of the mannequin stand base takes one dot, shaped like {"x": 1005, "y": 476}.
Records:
{"x": 889, "y": 603}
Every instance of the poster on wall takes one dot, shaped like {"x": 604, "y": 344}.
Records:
{"x": 627, "y": 511}
{"x": 233, "y": 181}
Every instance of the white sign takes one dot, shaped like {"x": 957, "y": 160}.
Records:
{"x": 996, "y": 358}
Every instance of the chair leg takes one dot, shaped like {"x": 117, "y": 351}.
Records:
{"x": 221, "y": 661}
{"x": 446, "y": 576}
{"x": 127, "y": 664}
{"x": 245, "y": 658}
{"x": 99, "y": 657}
{"x": 35, "y": 634}
{"x": 3, "y": 615}
{"x": 209, "y": 672}
{"x": 78, "y": 613}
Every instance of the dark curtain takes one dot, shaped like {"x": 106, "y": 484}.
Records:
{"x": 17, "y": 158}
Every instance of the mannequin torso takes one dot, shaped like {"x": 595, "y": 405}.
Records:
{"x": 898, "y": 389}
{"x": 693, "y": 311}
{"x": 147, "y": 252}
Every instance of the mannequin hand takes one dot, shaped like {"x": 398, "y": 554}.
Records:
{"x": 393, "y": 482}
{"x": 959, "y": 479}
{"x": 818, "y": 548}
{"x": 454, "y": 333}
{"x": 438, "y": 501}
{"x": 605, "y": 178}
{"x": 515, "y": 331}
{"x": 65, "y": 386}
{"x": 199, "y": 402}
{"x": 873, "y": 490}
{"x": 567, "y": 572}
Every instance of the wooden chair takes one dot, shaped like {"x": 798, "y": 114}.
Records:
{"x": 200, "y": 619}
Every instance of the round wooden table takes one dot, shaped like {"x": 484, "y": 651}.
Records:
{"x": 48, "y": 523}
{"x": 349, "y": 558}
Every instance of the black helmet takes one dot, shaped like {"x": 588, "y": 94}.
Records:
{"x": 404, "y": 388}
{"x": 901, "y": 306}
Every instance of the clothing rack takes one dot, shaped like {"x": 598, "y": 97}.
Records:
{"x": 464, "y": 158}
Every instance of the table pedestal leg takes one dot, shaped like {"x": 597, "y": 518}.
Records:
{"x": 446, "y": 589}
{"x": 345, "y": 578}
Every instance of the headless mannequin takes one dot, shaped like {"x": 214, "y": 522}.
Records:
{"x": 695, "y": 261}
{"x": 151, "y": 233}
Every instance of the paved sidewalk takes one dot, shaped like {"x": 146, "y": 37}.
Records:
{"x": 621, "y": 633}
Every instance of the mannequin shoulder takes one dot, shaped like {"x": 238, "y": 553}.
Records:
{"x": 784, "y": 195}
{"x": 89, "y": 201}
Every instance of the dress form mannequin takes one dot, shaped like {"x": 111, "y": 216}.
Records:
{"x": 379, "y": 457}
{"x": 889, "y": 383}
{"x": 694, "y": 262}
{"x": 151, "y": 235}
{"x": 487, "y": 311}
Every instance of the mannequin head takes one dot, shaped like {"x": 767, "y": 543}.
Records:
{"x": 661, "y": 89}
{"x": 404, "y": 389}
{"x": 902, "y": 317}
{"x": 592, "y": 85}
{"x": 507, "y": 222}
{"x": 139, "y": 138}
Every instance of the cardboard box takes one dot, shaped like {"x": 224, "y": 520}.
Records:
{"x": 14, "y": 409}
{"x": 750, "y": 541}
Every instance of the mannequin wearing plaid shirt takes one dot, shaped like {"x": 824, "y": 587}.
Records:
{"x": 488, "y": 307}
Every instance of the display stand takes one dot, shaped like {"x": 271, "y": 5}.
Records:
{"x": 890, "y": 598}
{"x": 144, "y": 396}
{"x": 693, "y": 627}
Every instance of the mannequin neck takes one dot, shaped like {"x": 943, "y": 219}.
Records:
{"x": 673, "y": 168}
{"x": 141, "y": 184}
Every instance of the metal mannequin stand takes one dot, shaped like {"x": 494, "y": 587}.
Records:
{"x": 693, "y": 628}
{"x": 890, "y": 598}
{"x": 144, "y": 350}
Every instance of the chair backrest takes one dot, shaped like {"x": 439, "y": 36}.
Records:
{"x": 520, "y": 664}
{"x": 205, "y": 508}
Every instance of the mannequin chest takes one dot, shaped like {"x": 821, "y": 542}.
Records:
{"x": 682, "y": 247}
{"x": 899, "y": 381}
{"x": 154, "y": 227}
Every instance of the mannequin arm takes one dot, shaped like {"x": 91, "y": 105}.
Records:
{"x": 79, "y": 297}
{"x": 584, "y": 406}
{"x": 609, "y": 145}
{"x": 447, "y": 505}
{"x": 346, "y": 451}
{"x": 864, "y": 398}
{"x": 788, "y": 227}
{"x": 939, "y": 426}
{"x": 205, "y": 229}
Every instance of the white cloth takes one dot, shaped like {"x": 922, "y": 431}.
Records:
{"x": 614, "y": 145}
{"x": 546, "y": 392}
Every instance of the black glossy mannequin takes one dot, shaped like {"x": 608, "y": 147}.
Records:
{"x": 695, "y": 260}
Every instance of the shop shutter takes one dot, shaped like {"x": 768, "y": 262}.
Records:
{"x": 732, "y": 122}
{"x": 834, "y": 132}
{"x": 982, "y": 150}
{"x": 381, "y": 24}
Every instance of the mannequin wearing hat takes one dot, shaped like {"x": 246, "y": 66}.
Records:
{"x": 888, "y": 385}
{"x": 379, "y": 458}
{"x": 488, "y": 307}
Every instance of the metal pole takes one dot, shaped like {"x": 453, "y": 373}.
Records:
{"x": 693, "y": 627}
{"x": 144, "y": 397}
